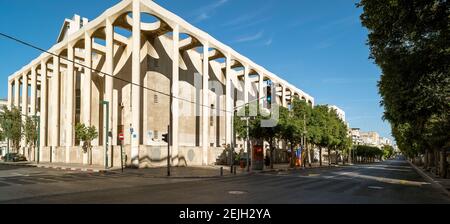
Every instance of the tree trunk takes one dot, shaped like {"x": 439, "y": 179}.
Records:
{"x": 337, "y": 160}
{"x": 271, "y": 153}
{"x": 309, "y": 154}
{"x": 320, "y": 156}
{"x": 436, "y": 162}
{"x": 329, "y": 156}
{"x": 90, "y": 153}
{"x": 443, "y": 164}
{"x": 425, "y": 165}
{"x": 292, "y": 156}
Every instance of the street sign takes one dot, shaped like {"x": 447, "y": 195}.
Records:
{"x": 121, "y": 137}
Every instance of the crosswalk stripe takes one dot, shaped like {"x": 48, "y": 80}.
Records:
{"x": 344, "y": 187}
{"x": 17, "y": 181}
{"x": 320, "y": 185}
{"x": 287, "y": 181}
{"x": 2, "y": 184}
{"x": 303, "y": 183}
{"x": 40, "y": 180}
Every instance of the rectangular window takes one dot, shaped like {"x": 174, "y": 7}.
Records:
{"x": 155, "y": 98}
{"x": 156, "y": 135}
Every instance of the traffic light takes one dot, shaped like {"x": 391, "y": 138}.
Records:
{"x": 269, "y": 96}
{"x": 165, "y": 137}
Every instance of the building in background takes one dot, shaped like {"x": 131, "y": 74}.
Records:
{"x": 124, "y": 74}
{"x": 369, "y": 138}
{"x": 356, "y": 136}
{"x": 339, "y": 112}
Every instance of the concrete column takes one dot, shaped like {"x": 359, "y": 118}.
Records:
{"x": 10, "y": 95}
{"x": 246, "y": 84}
{"x": 228, "y": 101}
{"x": 246, "y": 103}
{"x": 24, "y": 94}
{"x": 24, "y": 105}
{"x": 33, "y": 91}
{"x": 69, "y": 101}
{"x": 109, "y": 84}
{"x": 136, "y": 79}
{"x": 175, "y": 90}
{"x": 17, "y": 92}
{"x": 261, "y": 93}
{"x": 205, "y": 108}
{"x": 55, "y": 99}
{"x": 43, "y": 107}
{"x": 86, "y": 88}
{"x": 283, "y": 96}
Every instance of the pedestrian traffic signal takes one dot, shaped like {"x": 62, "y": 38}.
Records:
{"x": 269, "y": 96}
{"x": 165, "y": 137}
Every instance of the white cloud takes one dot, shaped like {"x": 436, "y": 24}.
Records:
{"x": 248, "y": 38}
{"x": 205, "y": 12}
{"x": 201, "y": 17}
{"x": 268, "y": 42}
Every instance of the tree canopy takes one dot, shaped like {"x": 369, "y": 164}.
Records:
{"x": 319, "y": 125}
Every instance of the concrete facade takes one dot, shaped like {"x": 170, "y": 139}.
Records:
{"x": 152, "y": 74}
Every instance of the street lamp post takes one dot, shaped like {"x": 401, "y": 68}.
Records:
{"x": 106, "y": 103}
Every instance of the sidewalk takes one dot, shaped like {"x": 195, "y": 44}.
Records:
{"x": 161, "y": 172}
{"x": 437, "y": 182}
{"x": 59, "y": 166}
{"x": 287, "y": 167}
{"x": 183, "y": 172}
{"x": 157, "y": 172}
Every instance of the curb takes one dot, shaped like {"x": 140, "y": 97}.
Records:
{"x": 307, "y": 168}
{"x": 70, "y": 168}
{"x": 55, "y": 167}
{"x": 434, "y": 183}
{"x": 18, "y": 164}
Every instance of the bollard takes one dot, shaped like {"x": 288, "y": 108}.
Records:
{"x": 221, "y": 171}
{"x": 234, "y": 170}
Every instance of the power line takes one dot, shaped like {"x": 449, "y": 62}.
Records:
{"x": 118, "y": 78}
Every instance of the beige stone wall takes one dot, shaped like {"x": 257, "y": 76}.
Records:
{"x": 156, "y": 67}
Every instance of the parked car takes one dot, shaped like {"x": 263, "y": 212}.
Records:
{"x": 14, "y": 157}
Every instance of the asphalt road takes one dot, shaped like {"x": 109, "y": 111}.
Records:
{"x": 387, "y": 182}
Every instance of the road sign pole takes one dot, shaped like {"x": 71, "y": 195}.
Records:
{"x": 121, "y": 138}
{"x": 168, "y": 151}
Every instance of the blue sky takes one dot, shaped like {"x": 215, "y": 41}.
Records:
{"x": 317, "y": 45}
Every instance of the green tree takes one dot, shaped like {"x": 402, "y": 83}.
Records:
{"x": 290, "y": 131}
{"x": 302, "y": 113}
{"x": 318, "y": 129}
{"x": 86, "y": 135}
{"x": 11, "y": 124}
{"x": 31, "y": 133}
{"x": 409, "y": 41}
{"x": 388, "y": 151}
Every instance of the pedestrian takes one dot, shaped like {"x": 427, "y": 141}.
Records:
{"x": 267, "y": 160}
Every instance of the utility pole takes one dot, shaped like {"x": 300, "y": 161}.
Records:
{"x": 304, "y": 140}
{"x": 248, "y": 144}
{"x": 166, "y": 139}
